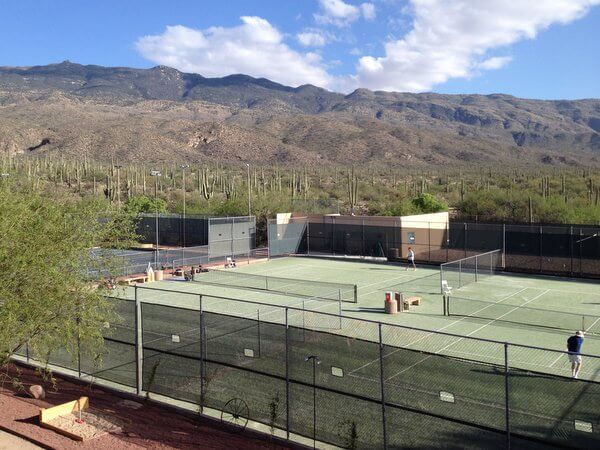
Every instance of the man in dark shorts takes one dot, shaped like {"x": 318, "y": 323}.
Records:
{"x": 574, "y": 344}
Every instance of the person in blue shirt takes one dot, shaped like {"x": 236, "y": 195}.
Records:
{"x": 574, "y": 344}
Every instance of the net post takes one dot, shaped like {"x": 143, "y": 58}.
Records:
{"x": 459, "y": 273}
{"x": 202, "y": 353}
{"x": 441, "y": 278}
{"x": 287, "y": 375}
{"x": 444, "y": 305}
{"x": 139, "y": 351}
{"x": 506, "y": 395}
{"x": 476, "y": 268}
{"x": 382, "y": 384}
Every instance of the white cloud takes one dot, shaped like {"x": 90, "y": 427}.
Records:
{"x": 368, "y": 11}
{"x": 342, "y": 14}
{"x": 254, "y": 48}
{"x": 495, "y": 62}
{"x": 311, "y": 39}
{"x": 451, "y": 39}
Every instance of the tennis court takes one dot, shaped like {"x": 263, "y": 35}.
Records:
{"x": 441, "y": 379}
{"x": 531, "y": 310}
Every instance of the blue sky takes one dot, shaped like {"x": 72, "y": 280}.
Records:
{"x": 534, "y": 49}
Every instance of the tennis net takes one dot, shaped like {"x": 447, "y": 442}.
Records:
{"x": 469, "y": 270}
{"x": 320, "y": 290}
{"x": 525, "y": 315}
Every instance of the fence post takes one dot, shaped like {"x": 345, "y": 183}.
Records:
{"x": 382, "y": 384}
{"x": 139, "y": 351}
{"x": 429, "y": 241}
{"x": 333, "y": 235}
{"x": 506, "y": 395}
{"x": 465, "y": 244}
{"x": 287, "y": 375}
{"x": 307, "y": 236}
{"x": 340, "y": 306}
{"x": 362, "y": 230}
{"x": 503, "y": 246}
{"x": 78, "y": 351}
{"x": 541, "y": 250}
{"x": 202, "y": 354}
{"x": 571, "y": 250}
{"x": 258, "y": 329}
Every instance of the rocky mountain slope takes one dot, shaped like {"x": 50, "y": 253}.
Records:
{"x": 162, "y": 114}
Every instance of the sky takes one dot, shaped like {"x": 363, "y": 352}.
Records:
{"x": 546, "y": 49}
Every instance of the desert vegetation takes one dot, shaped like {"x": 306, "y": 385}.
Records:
{"x": 545, "y": 195}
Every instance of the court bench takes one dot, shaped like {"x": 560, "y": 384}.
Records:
{"x": 135, "y": 279}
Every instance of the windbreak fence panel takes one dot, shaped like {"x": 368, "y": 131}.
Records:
{"x": 554, "y": 250}
{"x": 342, "y": 381}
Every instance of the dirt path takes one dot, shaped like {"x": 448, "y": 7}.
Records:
{"x": 144, "y": 425}
{"x": 11, "y": 442}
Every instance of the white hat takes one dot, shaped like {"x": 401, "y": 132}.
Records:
{"x": 579, "y": 333}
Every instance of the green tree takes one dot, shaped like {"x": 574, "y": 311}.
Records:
{"x": 144, "y": 204}
{"x": 427, "y": 203}
{"x": 47, "y": 302}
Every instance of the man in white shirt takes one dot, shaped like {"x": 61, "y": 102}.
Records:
{"x": 411, "y": 259}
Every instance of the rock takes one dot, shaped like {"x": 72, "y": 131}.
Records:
{"x": 130, "y": 404}
{"x": 37, "y": 391}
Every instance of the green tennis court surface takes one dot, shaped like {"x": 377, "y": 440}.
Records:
{"x": 444, "y": 384}
{"x": 519, "y": 309}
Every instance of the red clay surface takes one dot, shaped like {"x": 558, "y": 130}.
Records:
{"x": 151, "y": 426}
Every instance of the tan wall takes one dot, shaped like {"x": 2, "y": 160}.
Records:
{"x": 283, "y": 218}
{"x": 430, "y": 232}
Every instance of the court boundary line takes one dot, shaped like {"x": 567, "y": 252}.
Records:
{"x": 467, "y": 335}
{"x": 437, "y": 329}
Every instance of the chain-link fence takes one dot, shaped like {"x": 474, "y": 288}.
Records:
{"x": 554, "y": 250}
{"x": 343, "y": 381}
{"x": 173, "y": 230}
{"x": 173, "y": 237}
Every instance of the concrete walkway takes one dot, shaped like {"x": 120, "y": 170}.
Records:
{"x": 11, "y": 442}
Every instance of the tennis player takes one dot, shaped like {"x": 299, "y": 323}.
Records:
{"x": 574, "y": 344}
{"x": 411, "y": 259}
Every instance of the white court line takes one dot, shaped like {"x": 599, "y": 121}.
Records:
{"x": 556, "y": 360}
{"x": 593, "y": 324}
{"x": 467, "y": 335}
{"x": 438, "y": 329}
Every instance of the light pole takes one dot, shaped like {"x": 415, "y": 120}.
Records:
{"x": 315, "y": 360}
{"x": 183, "y": 167}
{"x": 249, "y": 206}
{"x": 156, "y": 174}
{"x": 118, "y": 184}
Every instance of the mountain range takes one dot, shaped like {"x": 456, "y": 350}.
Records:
{"x": 162, "y": 114}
